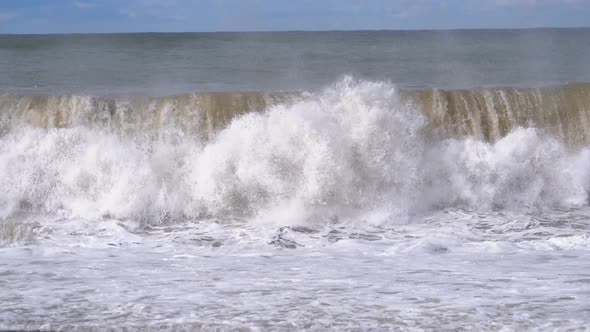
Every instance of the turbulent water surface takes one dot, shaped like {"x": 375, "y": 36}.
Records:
{"x": 360, "y": 180}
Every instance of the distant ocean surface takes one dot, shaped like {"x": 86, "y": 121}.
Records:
{"x": 363, "y": 180}
{"x": 163, "y": 63}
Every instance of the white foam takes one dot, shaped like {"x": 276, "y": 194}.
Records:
{"x": 346, "y": 152}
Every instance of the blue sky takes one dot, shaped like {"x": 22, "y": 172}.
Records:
{"x": 68, "y": 16}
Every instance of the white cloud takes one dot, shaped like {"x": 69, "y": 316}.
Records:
{"x": 173, "y": 10}
{"x": 533, "y": 3}
{"x": 5, "y": 16}
{"x": 128, "y": 13}
{"x": 529, "y": 3}
{"x": 84, "y": 5}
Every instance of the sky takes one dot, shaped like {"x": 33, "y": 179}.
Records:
{"x": 87, "y": 16}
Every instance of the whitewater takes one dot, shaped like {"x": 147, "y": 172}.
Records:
{"x": 287, "y": 181}
{"x": 360, "y": 205}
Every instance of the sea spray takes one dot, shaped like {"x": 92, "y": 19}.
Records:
{"x": 354, "y": 147}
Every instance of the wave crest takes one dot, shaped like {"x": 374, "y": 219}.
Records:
{"x": 354, "y": 148}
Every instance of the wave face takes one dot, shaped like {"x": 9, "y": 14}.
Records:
{"x": 491, "y": 114}
{"x": 194, "y": 114}
{"x": 486, "y": 114}
{"x": 357, "y": 149}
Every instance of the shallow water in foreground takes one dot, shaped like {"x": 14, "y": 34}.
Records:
{"x": 453, "y": 269}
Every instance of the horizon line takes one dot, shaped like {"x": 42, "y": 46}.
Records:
{"x": 295, "y": 30}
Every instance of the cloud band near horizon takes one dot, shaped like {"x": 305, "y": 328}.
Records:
{"x": 84, "y": 16}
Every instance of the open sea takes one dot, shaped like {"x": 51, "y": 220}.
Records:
{"x": 286, "y": 181}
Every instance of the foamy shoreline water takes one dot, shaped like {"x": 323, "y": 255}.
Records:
{"x": 438, "y": 273}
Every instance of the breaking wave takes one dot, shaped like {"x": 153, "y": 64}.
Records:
{"x": 357, "y": 149}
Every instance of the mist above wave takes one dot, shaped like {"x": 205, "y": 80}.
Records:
{"x": 355, "y": 150}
